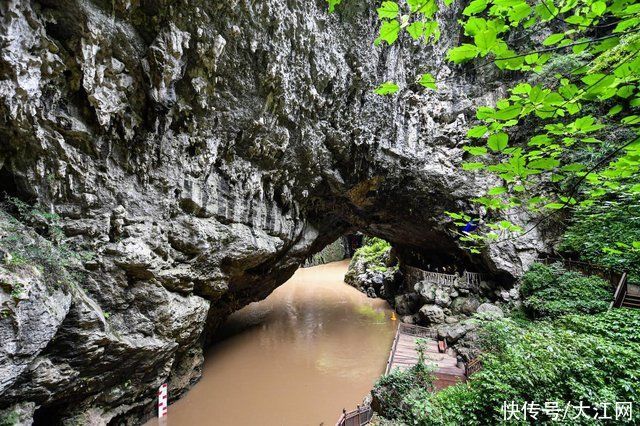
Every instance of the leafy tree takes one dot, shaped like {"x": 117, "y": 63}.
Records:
{"x": 608, "y": 233}
{"x": 567, "y": 133}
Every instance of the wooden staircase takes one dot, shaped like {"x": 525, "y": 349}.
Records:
{"x": 632, "y": 297}
{"x": 626, "y": 295}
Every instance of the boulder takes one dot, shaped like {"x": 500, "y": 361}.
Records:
{"x": 407, "y": 304}
{"x": 465, "y": 305}
{"x": 426, "y": 290}
{"x": 411, "y": 319}
{"x": 490, "y": 310}
{"x": 453, "y": 333}
{"x": 432, "y": 314}
{"x": 443, "y": 296}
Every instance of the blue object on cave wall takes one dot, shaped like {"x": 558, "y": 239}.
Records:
{"x": 470, "y": 227}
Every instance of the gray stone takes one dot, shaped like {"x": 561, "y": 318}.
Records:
{"x": 451, "y": 320}
{"x": 443, "y": 296}
{"x": 407, "y": 304}
{"x": 337, "y": 250}
{"x": 490, "y": 310}
{"x": 371, "y": 292}
{"x": 465, "y": 305}
{"x": 20, "y": 414}
{"x": 454, "y": 332}
{"x": 431, "y": 314}
{"x": 514, "y": 294}
{"x": 411, "y": 319}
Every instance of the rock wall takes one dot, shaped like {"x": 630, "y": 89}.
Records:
{"x": 197, "y": 152}
{"x": 337, "y": 250}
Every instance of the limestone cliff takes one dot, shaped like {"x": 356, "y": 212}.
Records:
{"x": 197, "y": 152}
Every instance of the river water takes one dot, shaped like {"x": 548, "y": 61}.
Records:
{"x": 312, "y": 348}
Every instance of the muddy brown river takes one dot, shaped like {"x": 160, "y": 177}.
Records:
{"x": 314, "y": 346}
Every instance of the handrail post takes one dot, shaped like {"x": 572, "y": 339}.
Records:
{"x": 620, "y": 293}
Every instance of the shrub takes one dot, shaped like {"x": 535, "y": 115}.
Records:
{"x": 400, "y": 392}
{"x": 550, "y": 291}
{"x": 451, "y": 406}
{"x": 373, "y": 256}
{"x": 373, "y": 251}
{"x": 569, "y": 360}
{"x": 605, "y": 234}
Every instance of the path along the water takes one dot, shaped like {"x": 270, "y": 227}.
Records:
{"x": 404, "y": 354}
{"x": 313, "y": 347}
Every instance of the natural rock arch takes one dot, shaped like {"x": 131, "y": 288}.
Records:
{"x": 200, "y": 151}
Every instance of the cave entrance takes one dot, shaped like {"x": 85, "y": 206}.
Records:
{"x": 319, "y": 341}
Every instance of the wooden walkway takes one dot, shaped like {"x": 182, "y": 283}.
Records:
{"x": 404, "y": 355}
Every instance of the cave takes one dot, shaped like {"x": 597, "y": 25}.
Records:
{"x": 191, "y": 156}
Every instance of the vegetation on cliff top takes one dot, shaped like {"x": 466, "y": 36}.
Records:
{"x": 374, "y": 252}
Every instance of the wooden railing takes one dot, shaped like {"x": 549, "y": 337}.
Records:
{"x": 412, "y": 330}
{"x": 621, "y": 292}
{"x": 435, "y": 277}
{"x": 358, "y": 417}
{"x": 393, "y": 349}
{"x": 472, "y": 279}
{"x": 473, "y": 366}
{"x": 417, "y": 331}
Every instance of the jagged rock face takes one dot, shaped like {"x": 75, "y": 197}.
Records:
{"x": 200, "y": 151}
{"x": 336, "y": 251}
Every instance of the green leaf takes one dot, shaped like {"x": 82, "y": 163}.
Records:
{"x": 544, "y": 164}
{"x": 475, "y": 150}
{"x": 426, "y": 7}
{"x": 387, "y": 88}
{"x": 389, "y": 9}
{"x": 427, "y": 80}
{"x": 485, "y": 40}
{"x": 477, "y": 132}
{"x": 518, "y": 12}
{"x": 389, "y": 31}
{"x": 333, "y": 4}
{"x": 521, "y": 89}
{"x": 484, "y": 113}
{"x": 598, "y": 7}
{"x": 554, "y": 206}
{"x": 540, "y": 140}
{"x": 553, "y": 39}
{"x": 508, "y": 113}
{"x": 416, "y": 30}
{"x": 476, "y": 6}
{"x": 498, "y": 141}
{"x": 497, "y": 191}
{"x": 472, "y": 166}
{"x": 573, "y": 167}
{"x": 462, "y": 53}
{"x": 616, "y": 109}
